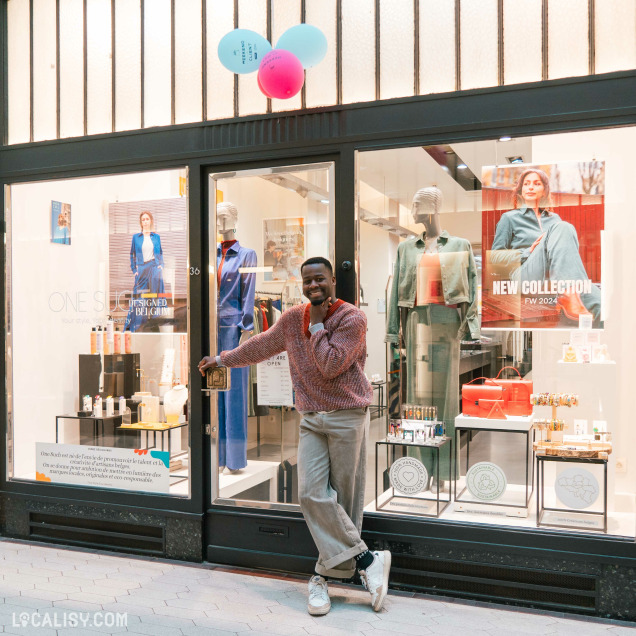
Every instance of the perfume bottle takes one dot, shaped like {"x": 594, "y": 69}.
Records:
{"x": 127, "y": 342}
{"x": 97, "y": 406}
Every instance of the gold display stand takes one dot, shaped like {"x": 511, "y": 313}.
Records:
{"x": 585, "y": 449}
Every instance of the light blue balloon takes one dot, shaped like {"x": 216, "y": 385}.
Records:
{"x": 242, "y": 50}
{"x": 308, "y": 43}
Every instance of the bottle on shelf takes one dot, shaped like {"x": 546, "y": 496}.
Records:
{"x": 127, "y": 342}
{"x": 117, "y": 342}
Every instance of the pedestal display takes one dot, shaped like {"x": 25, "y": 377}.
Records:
{"x": 577, "y": 489}
{"x": 486, "y": 483}
{"x": 411, "y": 490}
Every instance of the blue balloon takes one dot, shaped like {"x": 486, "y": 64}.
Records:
{"x": 308, "y": 43}
{"x": 242, "y": 50}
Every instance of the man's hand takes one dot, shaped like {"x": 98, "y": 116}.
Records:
{"x": 207, "y": 363}
{"x": 536, "y": 243}
{"x": 317, "y": 313}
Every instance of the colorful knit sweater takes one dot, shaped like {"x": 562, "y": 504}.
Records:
{"x": 327, "y": 367}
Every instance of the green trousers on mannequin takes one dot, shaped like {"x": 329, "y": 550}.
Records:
{"x": 432, "y": 373}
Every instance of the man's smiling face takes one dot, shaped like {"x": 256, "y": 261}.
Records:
{"x": 318, "y": 283}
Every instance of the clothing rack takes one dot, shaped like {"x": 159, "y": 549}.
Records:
{"x": 258, "y": 296}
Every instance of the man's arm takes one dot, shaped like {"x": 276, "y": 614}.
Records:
{"x": 334, "y": 354}
{"x": 252, "y": 351}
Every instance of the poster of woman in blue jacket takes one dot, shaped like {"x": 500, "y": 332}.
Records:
{"x": 146, "y": 262}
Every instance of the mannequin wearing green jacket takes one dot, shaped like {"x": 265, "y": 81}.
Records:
{"x": 433, "y": 306}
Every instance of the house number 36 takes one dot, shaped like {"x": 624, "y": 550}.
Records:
{"x": 194, "y": 271}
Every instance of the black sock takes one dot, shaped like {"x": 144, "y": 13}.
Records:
{"x": 363, "y": 560}
{"x": 318, "y": 574}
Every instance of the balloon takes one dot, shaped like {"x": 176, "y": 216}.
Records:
{"x": 308, "y": 43}
{"x": 281, "y": 74}
{"x": 258, "y": 81}
{"x": 242, "y": 50}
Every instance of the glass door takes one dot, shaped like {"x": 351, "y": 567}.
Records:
{"x": 263, "y": 224}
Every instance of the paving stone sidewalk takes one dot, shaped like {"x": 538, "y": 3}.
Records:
{"x": 49, "y": 591}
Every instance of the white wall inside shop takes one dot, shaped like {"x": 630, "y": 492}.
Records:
{"x": 258, "y": 199}
{"x": 58, "y": 294}
{"x": 608, "y": 391}
{"x": 378, "y": 250}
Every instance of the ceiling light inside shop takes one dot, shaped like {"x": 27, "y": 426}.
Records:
{"x": 505, "y": 138}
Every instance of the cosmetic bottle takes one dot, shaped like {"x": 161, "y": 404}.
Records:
{"x": 110, "y": 337}
{"x": 110, "y": 406}
{"x": 122, "y": 404}
{"x": 106, "y": 342}
{"x": 97, "y": 406}
{"x": 93, "y": 341}
{"x": 117, "y": 342}
{"x": 127, "y": 342}
{"x": 87, "y": 404}
{"x": 100, "y": 340}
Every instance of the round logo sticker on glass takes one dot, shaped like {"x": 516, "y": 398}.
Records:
{"x": 408, "y": 475}
{"x": 576, "y": 487}
{"x": 486, "y": 481}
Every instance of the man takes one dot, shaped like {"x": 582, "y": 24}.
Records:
{"x": 326, "y": 345}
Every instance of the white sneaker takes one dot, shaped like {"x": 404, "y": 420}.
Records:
{"x": 318, "y": 603}
{"x": 376, "y": 578}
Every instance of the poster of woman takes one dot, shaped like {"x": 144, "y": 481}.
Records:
{"x": 148, "y": 265}
{"x": 541, "y": 242}
{"x": 60, "y": 222}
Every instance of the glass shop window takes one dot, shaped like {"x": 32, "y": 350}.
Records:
{"x": 500, "y": 330}
{"x": 97, "y": 332}
{"x": 268, "y": 221}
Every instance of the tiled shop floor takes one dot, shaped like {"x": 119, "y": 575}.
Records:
{"x": 66, "y": 592}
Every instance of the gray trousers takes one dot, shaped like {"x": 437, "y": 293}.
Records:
{"x": 331, "y": 477}
{"x": 557, "y": 258}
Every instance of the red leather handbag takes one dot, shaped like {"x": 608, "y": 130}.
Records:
{"x": 472, "y": 393}
{"x": 517, "y": 393}
{"x": 492, "y": 409}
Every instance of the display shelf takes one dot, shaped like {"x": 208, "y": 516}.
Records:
{"x": 569, "y": 522}
{"x": 98, "y": 425}
{"x": 514, "y": 499}
{"x": 255, "y": 473}
{"x": 511, "y": 423}
{"x": 421, "y": 502}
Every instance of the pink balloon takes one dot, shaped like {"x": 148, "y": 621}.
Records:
{"x": 258, "y": 81}
{"x": 281, "y": 74}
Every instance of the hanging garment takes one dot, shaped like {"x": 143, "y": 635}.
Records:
{"x": 235, "y": 314}
{"x": 253, "y": 408}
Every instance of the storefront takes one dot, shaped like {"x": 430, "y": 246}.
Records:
{"x": 118, "y": 279}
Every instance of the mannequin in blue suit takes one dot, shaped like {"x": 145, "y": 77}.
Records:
{"x": 235, "y": 319}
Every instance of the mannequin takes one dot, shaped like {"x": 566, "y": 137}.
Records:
{"x": 433, "y": 306}
{"x": 235, "y": 319}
